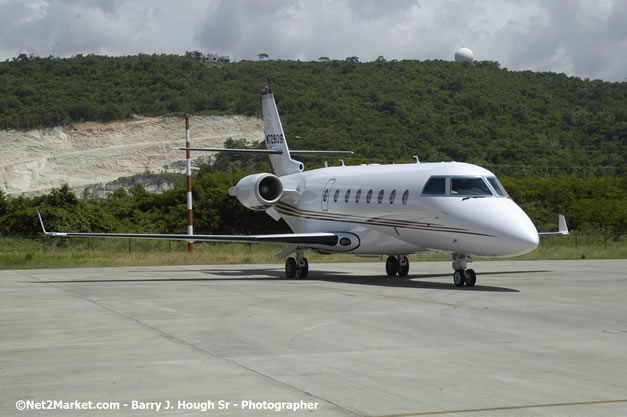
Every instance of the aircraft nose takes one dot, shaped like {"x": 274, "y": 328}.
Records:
{"x": 521, "y": 237}
{"x": 508, "y": 229}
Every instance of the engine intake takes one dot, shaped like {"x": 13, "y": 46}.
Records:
{"x": 258, "y": 191}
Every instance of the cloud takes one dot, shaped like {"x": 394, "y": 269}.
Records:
{"x": 587, "y": 39}
{"x": 69, "y": 27}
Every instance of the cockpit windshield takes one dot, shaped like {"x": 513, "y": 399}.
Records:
{"x": 469, "y": 186}
{"x": 463, "y": 186}
{"x": 497, "y": 186}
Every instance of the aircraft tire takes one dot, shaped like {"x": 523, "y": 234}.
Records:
{"x": 471, "y": 277}
{"x": 391, "y": 266}
{"x": 403, "y": 267}
{"x": 290, "y": 268}
{"x": 458, "y": 278}
{"x": 302, "y": 272}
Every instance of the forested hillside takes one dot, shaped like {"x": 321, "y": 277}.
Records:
{"x": 517, "y": 123}
{"x": 557, "y": 142}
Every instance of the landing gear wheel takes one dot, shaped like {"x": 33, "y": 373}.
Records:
{"x": 303, "y": 271}
{"x": 471, "y": 277}
{"x": 290, "y": 268}
{"x": 391, "y": 266}
{"x": 403, "y": 266}
{"x": 459, "y": 278}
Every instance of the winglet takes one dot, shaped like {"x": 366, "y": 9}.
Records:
{"x": 55, "y": 234}
{"x": 563, "y": 228}
{"x": 42, "y": 223}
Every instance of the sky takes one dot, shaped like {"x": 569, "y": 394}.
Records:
{"x": 587, "y": 39}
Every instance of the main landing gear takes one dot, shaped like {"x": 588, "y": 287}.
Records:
{"x": 297, "y": 267}
{"x": 463, "y": 275}
{"x": 397, "y": 265}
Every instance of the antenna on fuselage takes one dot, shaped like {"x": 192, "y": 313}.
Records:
{"x": 416, "y": 158}
{"x": 342, "y": 161}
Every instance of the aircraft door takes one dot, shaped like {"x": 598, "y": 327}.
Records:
{"x": 326, "y": 194}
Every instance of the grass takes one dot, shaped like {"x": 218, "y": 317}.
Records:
{"x": 43, "y": 253}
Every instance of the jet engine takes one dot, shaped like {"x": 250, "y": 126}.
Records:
{"x": 258, "y": 191}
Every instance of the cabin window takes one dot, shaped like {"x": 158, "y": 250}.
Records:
{"x": 380, "y": 197}
{"x": 325, "y": 196}
{"x": 357, "y": 195}
{"x": 497, "y": 186}
{"x": 392, "y": 196}
{"x": 369, "y": 196}
{"x": 336, "y": 195}
{"x": 405, "y": 196}
{"x": 347, "y": 196}
{"x": 435, "y": 185}
{"x": 469, "y": 186}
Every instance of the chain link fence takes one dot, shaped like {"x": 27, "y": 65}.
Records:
{"x": 48, "y": 244}
{"x": 45, "y": 244}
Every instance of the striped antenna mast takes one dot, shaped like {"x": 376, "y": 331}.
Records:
{"x": 190, "y": 221}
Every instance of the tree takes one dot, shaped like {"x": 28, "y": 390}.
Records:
{"x": 262, "y": 56}
{"x": 61, "y": 197}
{"x": 522, "y": 124}
{"x": 323, "y": 59}
{"x": 4, "y": 204}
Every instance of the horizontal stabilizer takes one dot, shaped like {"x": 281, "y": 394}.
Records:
{"x": 270, "y": 151}
{"x": 306, "y": 151}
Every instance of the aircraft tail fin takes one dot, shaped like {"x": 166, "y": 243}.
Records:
{"x": 282, "y": 163}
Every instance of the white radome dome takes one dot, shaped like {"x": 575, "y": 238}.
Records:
{"x": 464, "y": 55}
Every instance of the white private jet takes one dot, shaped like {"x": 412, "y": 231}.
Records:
{"x": 394, "y": 210}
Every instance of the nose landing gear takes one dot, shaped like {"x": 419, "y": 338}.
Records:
{"x": 463, "y": 275}
{"x": 397, "y": 265}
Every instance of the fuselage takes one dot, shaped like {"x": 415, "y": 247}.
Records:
{"x": 463, "y": 209}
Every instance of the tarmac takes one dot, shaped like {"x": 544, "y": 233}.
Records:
{"x": 533, "y": 338}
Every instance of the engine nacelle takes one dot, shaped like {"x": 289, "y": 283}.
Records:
{"x": 258, "y": 191}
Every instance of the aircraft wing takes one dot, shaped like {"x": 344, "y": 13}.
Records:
{"x": 302, "y": 239}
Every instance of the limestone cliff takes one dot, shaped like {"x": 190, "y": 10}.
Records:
{"x": 35, "y": 161}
